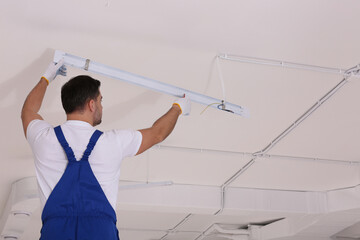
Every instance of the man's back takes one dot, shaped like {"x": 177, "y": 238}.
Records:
{"x": 105, "y": 160}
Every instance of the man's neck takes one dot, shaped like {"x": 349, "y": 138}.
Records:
{"x": 79, "y": 117}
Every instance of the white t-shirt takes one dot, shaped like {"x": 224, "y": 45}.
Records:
{"x": 105, "y": 159}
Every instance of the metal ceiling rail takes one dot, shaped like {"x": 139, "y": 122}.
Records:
{"x": 174, "y": 229}
{"x": 304, "y": 116}
{"x": 98, "y": 68}
{"x": 284, "y": 64}
{"x": 230, "y": 180}
{"x": 190, "y": 149}
{"x": 258, "y": 188}
{"x": 343, "y": 188}
{"x": 294, "y": 158}
{"x": 168, "y": 232}
{"x": 153, "y": 230}
{"x": 146, "y": 185}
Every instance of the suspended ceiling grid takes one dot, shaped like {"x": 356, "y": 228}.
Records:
{"x": 176, "y": 43}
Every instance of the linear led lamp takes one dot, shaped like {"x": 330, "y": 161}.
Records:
{"x": 98, "y": 68}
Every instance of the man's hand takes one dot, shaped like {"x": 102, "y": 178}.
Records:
{"x": 184, "y": 104}
{"x": 53, "y": 70}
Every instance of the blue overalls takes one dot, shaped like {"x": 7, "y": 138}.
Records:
{"x": 77, "y": 208}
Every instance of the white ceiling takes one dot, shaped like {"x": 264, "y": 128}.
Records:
{"x": 176, "y": 42}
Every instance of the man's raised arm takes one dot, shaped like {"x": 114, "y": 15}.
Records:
{"x": 164, "y": 125}
{"x": 34, "y": 100}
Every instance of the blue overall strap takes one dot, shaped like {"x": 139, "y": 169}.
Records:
{"x": 61, "y": 138}
{"x": 91, "y": 145}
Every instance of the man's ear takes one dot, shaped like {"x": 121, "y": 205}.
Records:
{"x": 91, "y": 105}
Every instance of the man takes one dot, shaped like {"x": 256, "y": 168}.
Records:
{"x": 77, "y": 166}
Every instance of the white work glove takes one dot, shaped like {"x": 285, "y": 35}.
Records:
{"x": 53, "y": 70}
{"x": 185, "y": 105}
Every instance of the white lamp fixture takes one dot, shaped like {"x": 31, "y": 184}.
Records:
{"x": 98, "y": 68}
